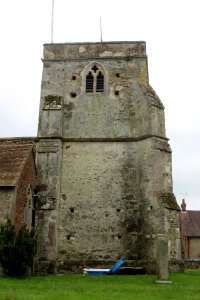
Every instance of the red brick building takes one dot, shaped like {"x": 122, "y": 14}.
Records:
{"x": 190, "y": 232}
{"x": 17, "y": 180}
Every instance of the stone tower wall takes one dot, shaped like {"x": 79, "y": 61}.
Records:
{"x": 109, "y": 191}
{"x": 103, "y": 158}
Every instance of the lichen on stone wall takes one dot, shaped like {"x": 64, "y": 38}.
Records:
{"x": 173, "y": 236}
{"x": 162, "y": 145}
{"x": 148, "y": 90}
{"x": 48, "y": 203}
{"x": 169, "y": 201}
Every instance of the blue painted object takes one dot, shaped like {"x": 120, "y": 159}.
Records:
{"x": 97, "y": 272}
{"x": 117, "y": 265}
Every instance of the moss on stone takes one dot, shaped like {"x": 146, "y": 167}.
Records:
{"x": 169, "y": 201}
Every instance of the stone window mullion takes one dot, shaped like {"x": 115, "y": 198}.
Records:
{"x": 95, "y": 82}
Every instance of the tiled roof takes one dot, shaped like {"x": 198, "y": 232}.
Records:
{"x": 13, "y": 155}
{"x": 190, "y": 223}
{"x": 18, "y": 140}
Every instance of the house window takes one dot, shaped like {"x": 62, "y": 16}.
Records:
{"x": 95, "y": 80}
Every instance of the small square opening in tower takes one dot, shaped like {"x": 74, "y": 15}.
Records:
{"x": 73, "y": 95}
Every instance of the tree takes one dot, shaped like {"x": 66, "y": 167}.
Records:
{"x": 17, "y": 248}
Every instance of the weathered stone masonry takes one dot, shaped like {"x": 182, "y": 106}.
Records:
{"x": 103, "y": 160}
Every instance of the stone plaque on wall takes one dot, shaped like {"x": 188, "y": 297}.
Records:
{"x": 52, "y": 102}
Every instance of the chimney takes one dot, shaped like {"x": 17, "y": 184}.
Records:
{"x": 183, "y": 205}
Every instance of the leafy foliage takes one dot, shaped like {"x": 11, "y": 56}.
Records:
{"x": 17, "y": 248}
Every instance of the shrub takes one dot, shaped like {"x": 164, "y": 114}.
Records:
{"x": 17, "y": 249}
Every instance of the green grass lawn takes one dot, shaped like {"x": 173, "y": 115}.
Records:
{"x": 79, "y": 287}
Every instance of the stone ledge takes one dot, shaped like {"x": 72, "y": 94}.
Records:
{"x": 164, "y": 281}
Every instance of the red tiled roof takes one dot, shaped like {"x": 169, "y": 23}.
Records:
{"x": 190, "y": 223}
{"x": 18, "y": 140}
{"x": 13, "y": 156}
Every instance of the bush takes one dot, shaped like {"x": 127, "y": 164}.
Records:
{"x": 17, "y": 249}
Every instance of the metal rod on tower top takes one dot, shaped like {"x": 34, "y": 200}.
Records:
{"x": 101, "y": 31}
{"x": 52, "y": 21}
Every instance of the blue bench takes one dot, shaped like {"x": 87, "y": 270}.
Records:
{"x": 97, "y": 272}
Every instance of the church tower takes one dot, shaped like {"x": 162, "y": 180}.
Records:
{"x": 103, "y": 159}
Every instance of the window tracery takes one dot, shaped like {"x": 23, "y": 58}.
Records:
{"x": 95, "y": 80}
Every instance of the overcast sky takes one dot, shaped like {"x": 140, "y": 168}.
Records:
{"x": 171, "y": 31}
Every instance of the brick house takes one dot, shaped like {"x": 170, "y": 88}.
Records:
{"x": 17, "y": 180}
{"x": 190, "y": 232}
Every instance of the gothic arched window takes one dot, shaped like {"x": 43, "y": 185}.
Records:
{"x": 95, "y": 80}
{"x": 100, "y": 82}
{"x": 89, "y": 82}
